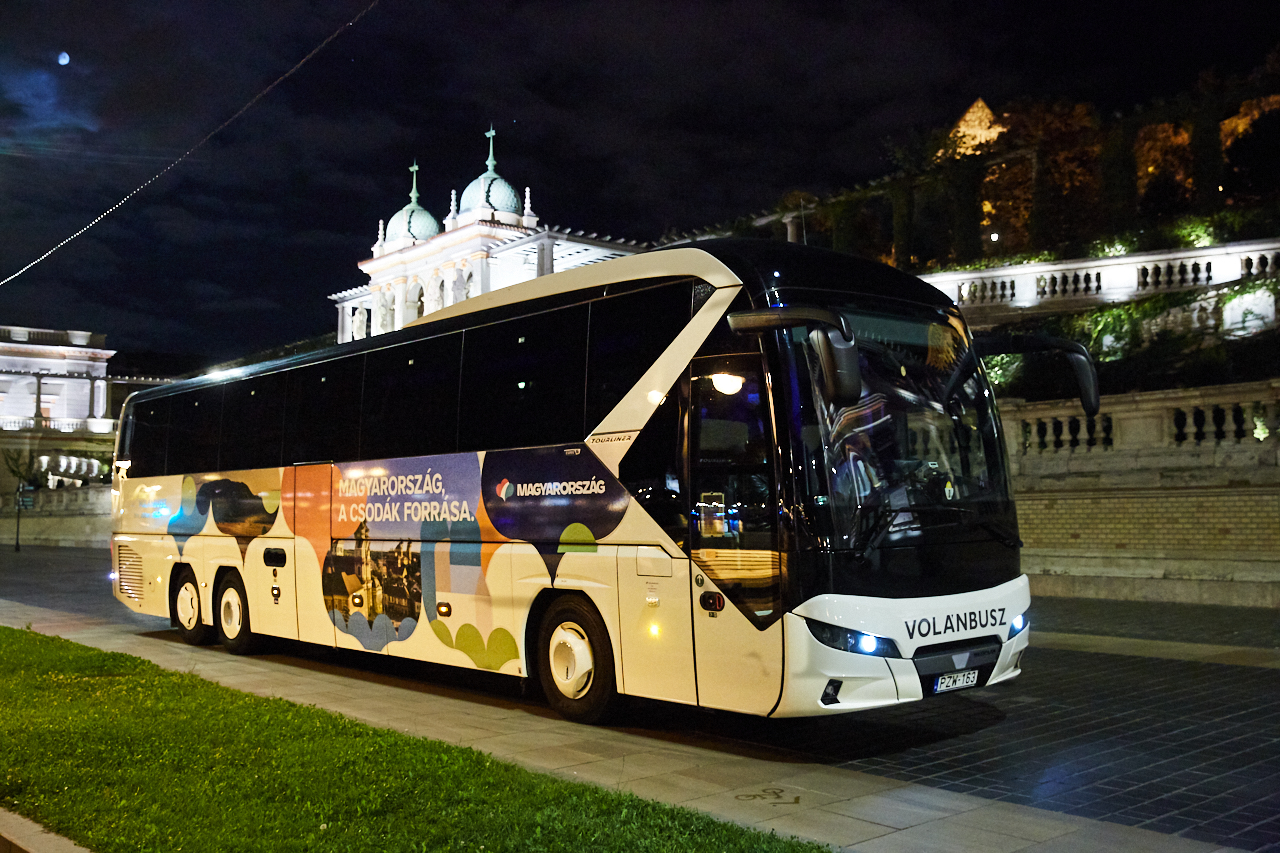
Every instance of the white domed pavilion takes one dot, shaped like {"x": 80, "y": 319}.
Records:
{"x": 489, "y": 241}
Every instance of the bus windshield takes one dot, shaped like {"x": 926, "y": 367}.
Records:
{"x": 916, "y": 463}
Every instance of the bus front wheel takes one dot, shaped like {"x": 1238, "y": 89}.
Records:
{"x": 184, "y": 609}
{"x": 232, "y": 616}
{"x": 575, "y": 661}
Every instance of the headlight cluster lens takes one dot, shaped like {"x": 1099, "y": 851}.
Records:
{"x": 1018, "y": 624}
{"x": 847, "y": 640}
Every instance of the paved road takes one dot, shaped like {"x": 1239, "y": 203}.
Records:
{"x": 1178, "y": 746}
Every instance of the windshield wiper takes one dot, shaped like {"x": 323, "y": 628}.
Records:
{"x": 998, "y": 531}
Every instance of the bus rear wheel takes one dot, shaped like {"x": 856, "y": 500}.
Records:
{"x": 184, "y": 609}
{"x": 232, "y": 616}
{"x": 575, "y": 661}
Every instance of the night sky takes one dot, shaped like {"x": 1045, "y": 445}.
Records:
{"x": 625, "y": 119}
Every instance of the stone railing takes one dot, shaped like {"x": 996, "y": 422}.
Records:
{"x": 1000, "y": 294}
{"x": 93, "y": 499}
{"x": 97, "y": 426}
{"x": 1168, "y": 495}
{"x": 1231, "y": 429}
{"x": 51, "y": 337}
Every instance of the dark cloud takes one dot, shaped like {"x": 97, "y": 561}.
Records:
{"x": 623, "y": 118}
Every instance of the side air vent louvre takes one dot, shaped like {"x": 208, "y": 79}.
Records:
{"x": 129, "y": 571}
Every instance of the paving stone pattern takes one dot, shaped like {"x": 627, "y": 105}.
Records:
{"x": 1178, "y": 747}
{"x": 1258, "y": 627}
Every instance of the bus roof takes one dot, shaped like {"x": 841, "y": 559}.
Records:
{"x": 768, "y": 270}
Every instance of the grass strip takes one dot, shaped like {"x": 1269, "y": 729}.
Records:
{"x": 119, "y": 754}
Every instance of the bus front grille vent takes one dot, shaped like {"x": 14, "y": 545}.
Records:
{"x": 129, "y": 571}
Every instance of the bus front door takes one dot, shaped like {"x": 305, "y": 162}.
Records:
{"x": 733, "y": 533}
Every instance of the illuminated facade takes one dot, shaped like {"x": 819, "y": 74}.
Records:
{"x": 489, "y": 239}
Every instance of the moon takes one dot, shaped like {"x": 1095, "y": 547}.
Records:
{"x": 64, "y": 58}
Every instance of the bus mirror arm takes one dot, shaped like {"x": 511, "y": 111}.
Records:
{"x": 1077, "y": 355}
{"x": 829, "y": 335}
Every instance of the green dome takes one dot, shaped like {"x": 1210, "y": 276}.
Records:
{"x": 490, "y": 188}
{"x": 412, "y": 220}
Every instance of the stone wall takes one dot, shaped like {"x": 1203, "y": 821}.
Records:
{"x": 1171, "y": 495}
{"x": 68, "y": 518}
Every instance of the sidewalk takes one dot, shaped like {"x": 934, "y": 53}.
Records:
{"x": 769, "y": 789}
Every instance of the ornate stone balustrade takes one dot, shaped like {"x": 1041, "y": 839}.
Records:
{"x": 1167, "y": 496}
{"x": 1148, "y": 437}
{"x": 1002, "y": 294}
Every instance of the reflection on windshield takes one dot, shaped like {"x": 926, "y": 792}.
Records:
{"x": 905, "y": 458}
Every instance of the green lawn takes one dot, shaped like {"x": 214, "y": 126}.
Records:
{"x": 120, "y": 755}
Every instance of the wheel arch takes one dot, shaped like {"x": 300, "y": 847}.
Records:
{"x": 538, "y": 608}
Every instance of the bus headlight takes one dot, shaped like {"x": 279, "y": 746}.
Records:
{"x": 848, "y": 640}
{"x": 1017, "y": 626}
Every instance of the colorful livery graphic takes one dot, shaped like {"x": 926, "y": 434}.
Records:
{"x": 747, "y": 476}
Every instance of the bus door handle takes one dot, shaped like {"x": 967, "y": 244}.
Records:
{"x": 711, "y": 601}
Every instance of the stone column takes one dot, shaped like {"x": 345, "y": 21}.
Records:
{"x": 99, "y": 406}
{"x": 398, "y": 288}
{"x": 793, "y": 227}
{"x": 344, "y": 322}
{"x": 547, "y": 256}
{"x": 39, "y": 414}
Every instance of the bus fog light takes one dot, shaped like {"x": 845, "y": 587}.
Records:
{"x": 848, "y": 640}
{"x": 831, "y": 693}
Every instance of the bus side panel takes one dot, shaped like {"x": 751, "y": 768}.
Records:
{"x": 311, "y": 500}
{"x": 269, "y": 569}
{"x": 142, "y": 568}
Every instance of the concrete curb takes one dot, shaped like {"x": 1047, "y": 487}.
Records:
{"x": 19, "y": 835}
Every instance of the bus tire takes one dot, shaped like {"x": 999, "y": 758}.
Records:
{"x": 232, "y": 615}
{"x": 184, "y": 609}
{"x": 573, "y": 640}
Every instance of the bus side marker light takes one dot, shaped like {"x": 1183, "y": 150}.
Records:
{"x": 654, "y": 630}
{"x": 444, "y": 608}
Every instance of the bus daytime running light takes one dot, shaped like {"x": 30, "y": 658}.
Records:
{"x": 856, "y": 642}
{"x": 1015, "y": 627}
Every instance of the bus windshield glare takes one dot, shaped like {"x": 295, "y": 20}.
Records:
{"x": 916, "y": 461}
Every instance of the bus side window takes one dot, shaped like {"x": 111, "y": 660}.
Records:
{"x": 731, "y": 455}
{"x": 252, "y": 423}
{"x": 628, "y": 334}
{"x": 411, "y": 399}
{"x": 148, "y": 433}
{"x": 195, "y": 420}
{"x": 523, "y": 381}
{"x": 322, "y": 411}
{"x": 652, "y": 471}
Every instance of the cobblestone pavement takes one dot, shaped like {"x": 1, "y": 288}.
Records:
{"x": 1258, "y": 627}
{"x": 1176, "y": 746}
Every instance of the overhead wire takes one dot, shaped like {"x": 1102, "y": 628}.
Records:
{"x": 199, "y": 144}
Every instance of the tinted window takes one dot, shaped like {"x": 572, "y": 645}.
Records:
{"x": 653, "y": 472}
{"x": 146, "y": 432}
{"x": 411, "y": 399}
{"x": 628, "y": 333}
{"x": 253, "y": 422}
{"x": 523, "y": 381}
{"x": 195, "y": 418}
{"x": 322, "y": 411}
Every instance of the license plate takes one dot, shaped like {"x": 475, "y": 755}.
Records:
{"x": 956, "y": 680}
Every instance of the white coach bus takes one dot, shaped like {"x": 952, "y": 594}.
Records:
{"x": 748, "y": 476}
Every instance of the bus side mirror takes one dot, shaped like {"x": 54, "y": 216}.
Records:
{"x": 1077, "y": 355}
{"x": 829, "y": 335}
{"x": 841, "y": 377}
